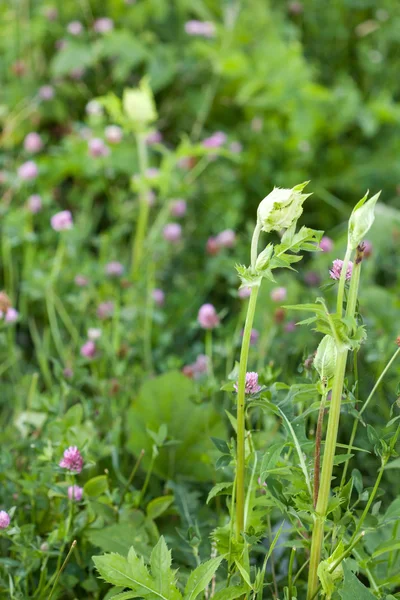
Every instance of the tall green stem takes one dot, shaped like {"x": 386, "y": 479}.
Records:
{"x": 137, "y": 246}
{"x": 241, "y": 395}
{"x": 333, "y": 426}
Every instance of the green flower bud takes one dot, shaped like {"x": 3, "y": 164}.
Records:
{"x": 325, "y": 358}
{"x": 361, "y": 219}
{"x": 281, "y": 208}
{"x": 139, "y": 106}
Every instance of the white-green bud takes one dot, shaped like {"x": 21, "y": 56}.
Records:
{"x": 361, "y": 219}
{"x": 139, "y": 106}
{"x": 281, "y": 208}
{"x": 325, "y": 358}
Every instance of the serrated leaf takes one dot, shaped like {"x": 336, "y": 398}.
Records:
{"x": 231, "y": 593}
{"x": 164, "y": 577}
{"x": 201, "y": 577}
{"x": 219, "y": 487}
{"x": 244, "y": 574}
{"x": 352, "y": 587}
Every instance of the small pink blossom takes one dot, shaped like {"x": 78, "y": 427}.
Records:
{"x": 72, "y": 460}
{"x": 113, "y": 134}
{"x": 326, "y": 244}
{"x": 336, "y": 269}
{"x": 4, "y": 519}
{"x": 212, "y": 246}
{"x": 105, "y": 310}
{"x": 226, "y": 238}
{"x": 94, "y": 333}
{"x": 216, "y": 140}
{"x": 252, "y": 386}
{"x": 254, "y": 335}
{"x": 244, "y": 292}
{"x": 114, "y": 269}
{"x": 201, "y": 28}
{"x": 68, "y": 373}
{"x": 46, "y": 92}
{"x": 75, "y": 28}
{"x": 178, "y": 208}
{"x": 51, "y": 13}
{"x": 312, "y": 278}
{"x": 207, "y": 317}
{"x": 158, "y": 297}
{"x": 97, "y": 148}
{"x": 62, "y": 221}
{"x": 198, "y": 368}
{"x": 94, "y": 108}
{"x": 278, "y": 294}
{"x": 367, "y": 248}
{"x": 81, "y": 281}
{"x": 88, "y": 350}
{"x": 75, "y": 493}
{"x": 28, "y": 170}
{"x": 34, "y": 203}
{"x": 155, "y": 137}
{"x": 103, "y": 25}
{"x": 11, "y": 315}
{"x": 290, "y": 326}
{"x": 172, "y": 232}
{"x": 33, "y": 143}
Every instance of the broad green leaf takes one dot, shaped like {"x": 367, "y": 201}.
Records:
{"x": 201, "y": 577}
{"x": 96, "y": 486}
{"x": 164, "y": 577}
{"x": 352, "y": 588}
{"x": 124, "y": 596}
{"x": 121, "y": 536}
{"x": 231, "y": 593}
{"x": 158, "y": 506}
{"x": 386, "y": 548}
{"x": 115, "y": 569}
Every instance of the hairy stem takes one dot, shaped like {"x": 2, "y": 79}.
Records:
{"x": 140, "y": 234}
{"x": 317, "y": 454}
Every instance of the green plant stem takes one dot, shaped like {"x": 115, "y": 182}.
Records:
{"x": 131, "y": 476}
{"x": 209, "y": 351}
{"x": 241, "y": 396}
{"x": 317, "y": 454}
{"x": 290, "y": 574}
{"x": 148, "y": 320}
{"x": 138, "y": 241}
{"x": 62, "y": 568}
{"x": 331, "y": 435}
{"x": 363, "y": 408}
{"x": 342, "y": 281}
{"x": 148, "y": 474}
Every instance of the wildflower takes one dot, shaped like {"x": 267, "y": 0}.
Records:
{"x": 4, "y": 519}
{"x": 28, "y": 170}
{"x": 94, "y": 108}
{"x": 226, "y": 238}
{"x": 113, "y": 134}
{"x": 290, "y": 326}
{"x": 336, "y": 269}
{"x": 254, "y": 335}
{"x": 114, "y": 268}
{"x": 251, "y": 386}
{"x": 103, "y": 25}
{"x": 367, "y": 249}
{"x": 34, "y": 203}
{"x": 81, "y": 281}
{"x": 62, "y": 221}
{"x": 201, "y": 28}
{"x": 33, "y": 143}
{"x": 46, "y": 92}
{"x": 72, "y": 460}
{"x": 88, "y": 349}
{"x": 278, "y": 294}
{"x": 51, "y": 13}
{"x": 207, "y": 317}
{"x": 281, "y": 208}
{"x": 94, "y": 333}
{"x": 178, "y": 208}
{"x": 312, "y": 278}
{"x": 198, "y": 368}
{"x": 172, "y": 232}
{"x": 68, "y": 373}
{"x": 75, "y": 28}
{"x": 11, "y": 315}
{"x": 212, "y": 246}
{"x": 75, "y": 493}
{"x": 158, "y": 296}
{"x": 326, "y": 244}
{"x": 244, "y": 292}
{"x": 105, "y": 309}
{"x": 155, "y": 137}
{"x": 98, "y": 148}
{"x": 216, "y": 140}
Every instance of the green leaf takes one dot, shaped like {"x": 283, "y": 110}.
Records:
{"x": 121, "y": 536}
{"x": 96, "y": 486}
{"x": 75, "y": 54}
{"x": 115, "y": 569}
{"x": 244, "y": 574}
{"x": 124, "y": 596}
{"x": 231, "y": 593}
{"x": 164, "y": 577}
{"x": 201, "y": 577}
{"x": 352, "y": 588}
{"x": 219, "y": 487}
{"x": 386, "y": 548}
{"x": 158, "y": 506}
